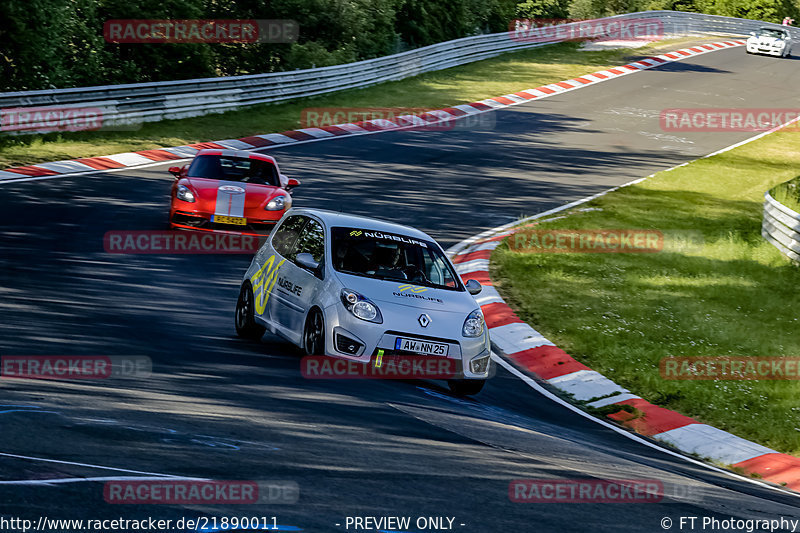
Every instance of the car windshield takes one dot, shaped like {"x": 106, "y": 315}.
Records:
{"x": 769, "y": 32}
{"x": 390, "y": 256}
{"x": 240, "y": 169}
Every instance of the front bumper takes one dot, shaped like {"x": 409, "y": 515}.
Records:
{"x": 351, "y": 338}
{"x": 755, "y": 49}
{"x": 202, "y": 222}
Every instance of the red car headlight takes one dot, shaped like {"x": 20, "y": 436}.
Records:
{"x": 184, "y": 193}
{"x": 279, "y": 203}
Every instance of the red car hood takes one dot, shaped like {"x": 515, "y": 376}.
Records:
{"x": 230, "y": 197}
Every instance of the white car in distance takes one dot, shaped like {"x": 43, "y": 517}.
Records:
{"x": 771, "y": 41}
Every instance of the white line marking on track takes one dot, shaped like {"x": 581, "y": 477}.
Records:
{"x": 95, "y": 479}
{"x": 87, "y": 465}
{"x": 27, "y": 411}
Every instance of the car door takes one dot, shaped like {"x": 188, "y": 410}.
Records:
{"x": 298, "y": 286}
{"x": 270, "y": 260}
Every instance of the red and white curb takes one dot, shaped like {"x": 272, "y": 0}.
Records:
{"x": 520, "y": 344}
{"x": 271, "y": 140}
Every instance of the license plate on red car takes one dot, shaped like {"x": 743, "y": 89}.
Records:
{"x": 222, "y": 219}
{"x": 421, "y": 347}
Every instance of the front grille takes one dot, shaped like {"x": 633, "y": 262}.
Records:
{"x": 189, "y": 220}
{"x": 250, "y": 228}
{"x": 397, "y": 356}
{"x": 347, "y": 345}
{"x": 195, "y": 221}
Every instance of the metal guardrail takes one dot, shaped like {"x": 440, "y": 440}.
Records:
{"x": 131, "y": 104}
{"x": 781, "y": 227}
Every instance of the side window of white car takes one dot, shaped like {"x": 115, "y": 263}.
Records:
{"x": 284, "y": 239}
{"x": 435, "y": 274}
{"x": 438, "y": 272}
{"x": 311, "y": 241}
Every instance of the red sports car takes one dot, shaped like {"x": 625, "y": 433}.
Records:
{"x": 230, "y": 191}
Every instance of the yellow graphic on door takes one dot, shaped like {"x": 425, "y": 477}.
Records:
{"x": 263, "y": 281}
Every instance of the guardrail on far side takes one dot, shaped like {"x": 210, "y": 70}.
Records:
{"x": 128, "y": 105}
{"x": 781, "y": 227}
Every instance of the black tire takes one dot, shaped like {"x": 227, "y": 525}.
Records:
{"x": 466, "y": 387}
{"x": 244, "y": 317}
{"x": 314, "y": 333}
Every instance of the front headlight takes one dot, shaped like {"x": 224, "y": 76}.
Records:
{"x": 473, "y": 325}
{"x": 279, "y": 203}
{"x": 184, "y": 193}
{"x": 361, "y": 307}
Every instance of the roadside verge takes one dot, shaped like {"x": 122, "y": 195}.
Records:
{"x": 594, "y": 394}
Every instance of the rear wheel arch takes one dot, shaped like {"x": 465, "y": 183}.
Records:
{"x": 244, "y": 316}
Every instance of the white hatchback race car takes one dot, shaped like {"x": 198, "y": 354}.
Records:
{"x": 770, "y": 41}
{"x": 355, "y": 287}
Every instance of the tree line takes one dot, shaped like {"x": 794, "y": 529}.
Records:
{"x": 48, "y": 44}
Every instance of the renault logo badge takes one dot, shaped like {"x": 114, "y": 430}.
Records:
{"x": 424, "y": 320}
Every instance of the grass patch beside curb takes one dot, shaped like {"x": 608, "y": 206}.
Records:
{"x": 504, "y": 74}
{"x": 732, "y": 295}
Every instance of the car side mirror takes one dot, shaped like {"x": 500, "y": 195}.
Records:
{"x": 306, "y": 260}
{"x": 473, "y": 286}
{"x": 291, "y": 183}
{"x": 753, "y": 34}
{"x": 176, "y": 171}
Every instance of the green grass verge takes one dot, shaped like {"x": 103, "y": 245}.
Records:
{"x": 733, "y": 295}
{"x": 505, "y": 74}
